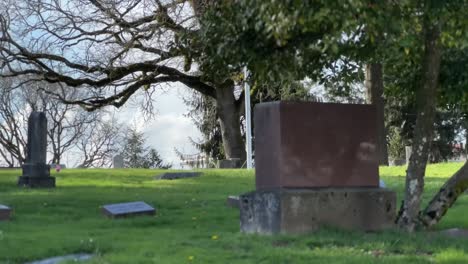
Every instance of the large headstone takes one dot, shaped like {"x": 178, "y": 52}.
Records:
{"x": 36, "y": 173}
{"x": 304, "y": 144}
{"x": 5, "y": 212}
{"x": 316, "y": 165}
{"x": 127, "y": 209}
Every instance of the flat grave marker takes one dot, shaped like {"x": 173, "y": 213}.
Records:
{"x": 5, "y": 212}
{"x": 55, "y": 260}
{"x": 120, "y": 210}
{"x": 177, "y": 175}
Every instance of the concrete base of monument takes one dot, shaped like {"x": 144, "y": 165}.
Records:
{"x": 36, "y": 175}
{"x": 36, "y": 182}
{"x": 299, "y": 211}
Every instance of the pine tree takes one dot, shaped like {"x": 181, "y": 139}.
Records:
{"x": 137, "y": 155}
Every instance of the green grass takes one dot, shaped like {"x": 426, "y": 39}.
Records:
{"x": 67, "y": 220}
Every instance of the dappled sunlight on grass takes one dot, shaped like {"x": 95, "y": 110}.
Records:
{"x": 193, "y": 224}
{"x": 451, "y": 256}
{"x": 440, "y": 170}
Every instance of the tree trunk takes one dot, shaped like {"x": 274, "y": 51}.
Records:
{"x": 445, "y": 198}
{"x": 56, "y": 158}
{"x": 374, "y": 87}
{"x": 466, "y": 142}
{"x": 229, "y": 120}
{"x": 423, "y": 131}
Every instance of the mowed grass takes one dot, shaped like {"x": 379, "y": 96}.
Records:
{"x": 193, "y": 224}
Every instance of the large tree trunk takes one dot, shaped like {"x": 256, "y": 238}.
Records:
{"x": 229, "y": 120}
{"x": 446, "y": 197}
{"x": 227, "y": 109}
{"x": 374, "y": 87}
{"x": 423, "y": 131}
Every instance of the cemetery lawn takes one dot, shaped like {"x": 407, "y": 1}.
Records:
{"x": 193, "y": 224}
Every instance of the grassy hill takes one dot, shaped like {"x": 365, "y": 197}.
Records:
{"x": 193, "y": 224}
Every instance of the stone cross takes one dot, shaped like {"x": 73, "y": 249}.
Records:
{"x": 36, "y": 173}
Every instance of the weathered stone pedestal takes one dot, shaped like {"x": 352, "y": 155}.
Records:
{"x": 36, "y": 176}
{"x": 316, "y": 165}
{"x": 36, "y": 173}
{"x": 298, "y": 211}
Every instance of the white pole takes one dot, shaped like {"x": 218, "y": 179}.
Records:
{"x": 248, "y": 122}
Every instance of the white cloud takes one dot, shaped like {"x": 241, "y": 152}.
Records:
{"x": 170, "y": 128}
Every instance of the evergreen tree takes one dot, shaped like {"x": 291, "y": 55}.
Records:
{"x": 136, "y": 155}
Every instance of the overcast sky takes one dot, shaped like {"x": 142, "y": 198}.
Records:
{"x": 169, "y": 128}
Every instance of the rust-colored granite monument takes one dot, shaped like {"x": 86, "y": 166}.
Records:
{"x": 301, "y": 145}
{"x": 316, "y": 164}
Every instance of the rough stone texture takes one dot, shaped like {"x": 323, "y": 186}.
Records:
{"x": 299, "y": 211}
{"x": 36, "y": 170}
{"x": 60, "y": 259}
{"x": 118, "y": 162}
{"x": 36, "y": 182}
{"x": 36, "y": 173}
{"x": 177, "y": 175}
{"x": 121, "y": 210}
{"x": 306, "y": 144}
{"x": 233, "y": 201}
{"x": 5, "y": 212}
{"x": 229, "y": 164}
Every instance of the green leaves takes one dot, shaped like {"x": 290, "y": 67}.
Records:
{"x": 282, "y": 41}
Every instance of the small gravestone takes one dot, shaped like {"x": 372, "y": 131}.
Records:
{"x": 118, "y": 162}
{"x": 233, "y": 163}
{"x": 127, "y": 209}
{"x": 5, "y": 212}
{"x": 233, "y": 201}
{"x": 36, "y": 173}
{"x": 177, "y": 175}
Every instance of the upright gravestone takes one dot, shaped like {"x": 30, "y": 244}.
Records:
{"x": 118, "y": 161}
{"x": 36, "y": 173}
{"x": 315, "y": 165}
